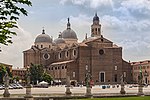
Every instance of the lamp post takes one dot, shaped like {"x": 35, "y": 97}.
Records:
{"x": 87, "y": 81}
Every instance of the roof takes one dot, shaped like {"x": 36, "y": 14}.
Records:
{"x": 5, "y": 64}
{"x": 140, "y": 62}
{"x": 62, "y": 62}
{"x": 91, "y": 39}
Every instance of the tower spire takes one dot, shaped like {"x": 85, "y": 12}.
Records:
{"x": 96, "y": 26}
{"x": 68, "y": 24}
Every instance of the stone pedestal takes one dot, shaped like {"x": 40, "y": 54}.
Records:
{"x": 68, "y": 92}
{"x": 88, "y": 92}
{"x": 140, "y": 90}
{"x": 28, "y": 92}
{"x": 6, "y": 93}
{"x": 122, "y": 91}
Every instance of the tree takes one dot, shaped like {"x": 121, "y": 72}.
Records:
{"x": 36, "y": 73}
{"x": 9, "y": 14}
{"x": 46, "y": 77}
{"x": 3, "y": 70}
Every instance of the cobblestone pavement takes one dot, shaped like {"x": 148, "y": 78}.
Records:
{"x": 77, "y": 90}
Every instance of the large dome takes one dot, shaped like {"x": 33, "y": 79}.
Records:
{"x": 43, "y": 38}
{"x": 69, "y": 34}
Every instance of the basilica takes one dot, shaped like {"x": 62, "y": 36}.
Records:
{"x": 65, "y": 56}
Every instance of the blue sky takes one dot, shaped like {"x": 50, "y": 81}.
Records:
{"x": 125, "y": 22}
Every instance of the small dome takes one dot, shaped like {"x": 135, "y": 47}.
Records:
{"x": 95, "y": 18}
{"x": 59, "y": 40}
{"x": 69, "y": 33}
{"x": 43, "y": 38}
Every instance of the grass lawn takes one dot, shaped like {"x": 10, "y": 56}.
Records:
{"x": 121, "y": 98}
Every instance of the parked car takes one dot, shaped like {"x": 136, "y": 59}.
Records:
{"x": 1, "y": 87}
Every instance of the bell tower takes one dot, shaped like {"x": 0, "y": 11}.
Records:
{"x": 95, "y": 27}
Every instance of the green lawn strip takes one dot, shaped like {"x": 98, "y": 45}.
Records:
{"x": 121, "y": 98}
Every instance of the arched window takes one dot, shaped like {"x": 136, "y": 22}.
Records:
{"x": 67, "y": 54}
{"x": 92, "y": 30}
{"x": 41, "y": 46}
{"x": 74, "y": 52}
{"x": 98, "y": 29}
{"x": 59, "y": 55}
{"x": 55, "y": 68}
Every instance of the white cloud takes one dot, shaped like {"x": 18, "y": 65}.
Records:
{"x": 98, "y": 3}
{"x": 63, "y": 1}
{"x": 91, "y": 3}
{"x": 136, "y": 4}
{"x": 13, "y": 53}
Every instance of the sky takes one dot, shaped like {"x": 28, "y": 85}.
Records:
{"x": 125, "y": 22}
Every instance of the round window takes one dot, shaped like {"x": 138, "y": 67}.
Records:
{"x": 101, "y": 51}
{"x": 46, "y": 56}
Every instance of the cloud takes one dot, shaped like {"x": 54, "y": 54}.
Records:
{"x": 98, "y": 3}
{"x": 13, "y": 53}
{"x": 138, "y": 8}
{"x": 91, "y": 3}
{"x": 136, "y": 4}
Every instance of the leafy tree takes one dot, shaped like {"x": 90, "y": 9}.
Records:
{"x": 36, "y": 73}
{"x": 16, "y": 78}
{"x": 3, "y": 70}
{"x": 9, "y": 14}
{"x": 46, "y": 77}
